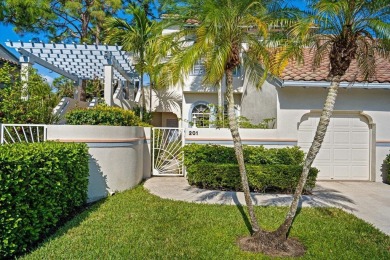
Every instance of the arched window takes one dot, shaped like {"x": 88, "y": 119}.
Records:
{"x": 201, "y": 116}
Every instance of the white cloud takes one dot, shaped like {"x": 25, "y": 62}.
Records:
{"x": 48, "y": 79}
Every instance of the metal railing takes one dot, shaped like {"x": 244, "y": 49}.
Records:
{"x": 167, "y": 151}
{"x": 17, "y": 133}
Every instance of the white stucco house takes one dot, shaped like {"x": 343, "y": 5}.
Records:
{"x": 357, "y": 141}
{"x": 358, "y": 138}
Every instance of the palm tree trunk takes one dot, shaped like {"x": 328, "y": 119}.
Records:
{"x": 150, "y": 97}
{"x": 82, "y": 95}
{"x": 141, "y": 109}
{"x": 311, "y": 155}
{"x": 238, "y": 149}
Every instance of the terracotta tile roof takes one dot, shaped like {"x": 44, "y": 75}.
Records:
{"x": 305, "y": 72}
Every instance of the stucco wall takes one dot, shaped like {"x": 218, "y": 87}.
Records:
{"x": 259, "y": 104}
{"x": 193, "y": 99}
{"x": 267, "y": 137}
{"x": 295, "y": 102}
{"x": 119, "y": 156}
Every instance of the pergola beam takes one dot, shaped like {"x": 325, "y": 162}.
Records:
{"x": 79, "y": 60}
{"x": 35, "y": 59}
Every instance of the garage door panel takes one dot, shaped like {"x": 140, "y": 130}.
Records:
{"x": 341, "y": 137}
{"x": 325, "y": 173}
{"x": 341, "y": 123}
{"x": 345, "y": 151}
{"x": 359, "y": 172}
{"x": 340, "y": 154}
{"x": 359, "y": 138}
{"x": 306, "y": 136}
{"x": 324, "y": 155}
{"x": 360, "y": 155}
{"x": 341, "y": 172}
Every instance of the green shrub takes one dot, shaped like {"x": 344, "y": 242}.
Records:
{"x": 261, "y": 178}
{"x": 37, "y": 109}
{"x": 387, "y": 167}
{"x": 215, "y": 167}
{"x": 196, "y": 153}
{"x": 40, "y": 184}
{"x": 102, "y": 115}
{"x": 261, "y": 155}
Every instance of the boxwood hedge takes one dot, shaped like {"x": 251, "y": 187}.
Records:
{"x": 261, "y": 178}
{"x": 276, "y": 169}
{"x": 103, "y": 115}
{"x": 196, "y": 153}
{"x": 40, "y": 184}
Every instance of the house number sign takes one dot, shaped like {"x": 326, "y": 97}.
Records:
{"x": 193, "y": 133}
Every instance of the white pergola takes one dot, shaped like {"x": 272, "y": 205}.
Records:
{"x": 79, "y": 61}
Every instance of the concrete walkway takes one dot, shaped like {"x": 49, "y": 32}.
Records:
{"x": 369, "y": 201}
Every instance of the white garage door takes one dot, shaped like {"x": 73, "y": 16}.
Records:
{"x": 344, "y": 154}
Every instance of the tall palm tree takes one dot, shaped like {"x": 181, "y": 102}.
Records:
{"x": 343, "y": 30}
{"x": 227, "y": 33}
{"x": 155, "y": 55}
{"x": 135, "y": 37}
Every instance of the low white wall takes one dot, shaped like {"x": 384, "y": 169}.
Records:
{"x": 267, "y": 137}
{"x": 119, "y": 156}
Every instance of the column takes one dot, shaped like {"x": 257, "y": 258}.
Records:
{"x": 108, "y": 90}
{"x": 25, "y": 67}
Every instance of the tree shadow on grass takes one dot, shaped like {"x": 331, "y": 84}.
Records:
{"x": 224, "y": 197}
{"x": 242, "y": 212}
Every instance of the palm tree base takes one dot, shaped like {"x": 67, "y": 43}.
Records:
{"x": 272, "y": 244}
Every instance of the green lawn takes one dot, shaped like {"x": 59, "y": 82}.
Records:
{"x": 137, "y": 225}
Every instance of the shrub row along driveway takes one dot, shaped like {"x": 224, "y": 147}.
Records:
{"x": 367, "y": 200}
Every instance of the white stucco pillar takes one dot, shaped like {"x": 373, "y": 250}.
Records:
{"x": 220, "y": 97}
{"x": 25, "y": 67}
{"x": 76, "y": 86}
{"x": 108, "y": 90}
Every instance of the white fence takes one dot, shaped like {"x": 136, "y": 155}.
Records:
{"x": 14, "y": 133}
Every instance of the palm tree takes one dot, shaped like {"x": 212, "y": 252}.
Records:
{"x": 155, "y": 54}
{"x": 343, "y": 30}
{"x": 134, "y": 37}
{"x": 226, "y": 33}
{"x": 144, "y": 38}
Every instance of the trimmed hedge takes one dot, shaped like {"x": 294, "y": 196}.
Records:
{"x": 275, "y": 169}
{"x": 196, "y": 153}
{"x": 103, "y": 115}
{"x": 261, "y": 178}
{"x": 40, "y": 184}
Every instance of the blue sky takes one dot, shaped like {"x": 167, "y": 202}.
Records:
{"x": 7, "y": 33}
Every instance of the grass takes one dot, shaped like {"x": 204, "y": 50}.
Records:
{"x": 137, "y": 225}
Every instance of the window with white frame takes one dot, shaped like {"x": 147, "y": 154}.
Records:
{"x": 198, "y": 68}
{"x": 201, "y": 116}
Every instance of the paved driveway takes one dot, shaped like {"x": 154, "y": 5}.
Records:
{"x": 367, "y": 200}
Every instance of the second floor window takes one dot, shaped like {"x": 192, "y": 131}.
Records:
{"x": 198, "y": 69}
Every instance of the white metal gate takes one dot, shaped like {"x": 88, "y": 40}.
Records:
{"x": 16, "y": 133}
{"x": 167, "y": 151}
